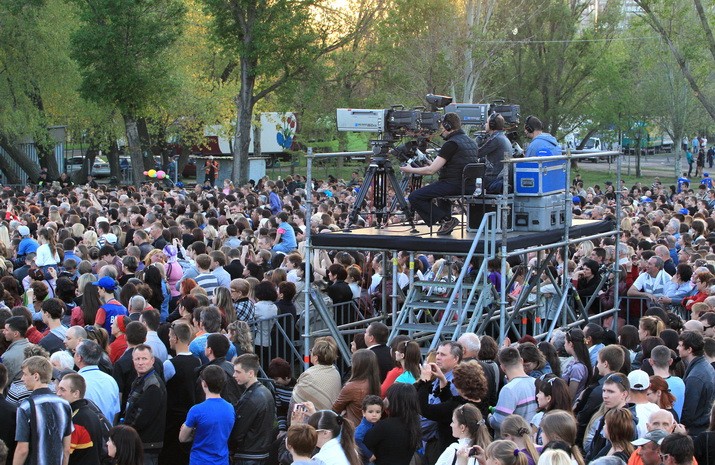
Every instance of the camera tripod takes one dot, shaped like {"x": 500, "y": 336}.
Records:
{"x": 378, "y": 175}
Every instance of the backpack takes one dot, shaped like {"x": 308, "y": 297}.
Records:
{"x": 105, "y": 426}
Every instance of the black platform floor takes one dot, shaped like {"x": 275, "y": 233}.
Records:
{"x": 398, "y": 237}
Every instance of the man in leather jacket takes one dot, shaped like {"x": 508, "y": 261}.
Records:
{"x": 146, "y": 404}
{"x": 256, "y": 424}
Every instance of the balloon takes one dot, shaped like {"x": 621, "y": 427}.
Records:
{"x": 146, "y": 173}
{"x": 160, "y": 174}
{"x": 152, "y": 173}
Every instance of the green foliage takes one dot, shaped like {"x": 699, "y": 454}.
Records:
{"x": 122, "y": 49}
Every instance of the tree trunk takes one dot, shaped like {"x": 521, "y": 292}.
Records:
{"x": 80, "y": 176}
{"x": 115, "y": 171}
{"x": 244, "y": 107}
{"x": 135, "y": 149}
{"x": 10, "y": 175}
{"x": 46, "y": 157}
{"x": 638, "y": 156}
{"x": 257, "y": 152}
{"x": 183, "y": 160}
{"x": 31, "y": 168}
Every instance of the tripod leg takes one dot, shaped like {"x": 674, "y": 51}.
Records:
{"x": 400, "y": 197}
{"x": 364, "y": 188}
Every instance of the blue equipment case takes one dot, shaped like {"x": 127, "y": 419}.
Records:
{"x": 534, "y": 179}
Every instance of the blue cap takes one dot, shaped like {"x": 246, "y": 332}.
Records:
{"x": 106, "y": 283}
{"x": 576, "y": 200}
{"x": 705, "y": 175}
{"x": 645, "y": 199}
{"x": 684, "y": 211}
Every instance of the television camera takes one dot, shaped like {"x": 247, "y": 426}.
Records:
{"x": 418, "y": 124}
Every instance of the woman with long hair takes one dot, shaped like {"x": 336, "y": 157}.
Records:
{"x": 560, "y": 426}
{"x": 397, "y": 368}
{"x": 241, "y": 336}
{"x": 336, "y": 439}
{"x": 577, "y": 373}
{"x": 395, "y": 439}
{"x": 551, "y": 355}
{"x": 409, "y": 356}
{"x": 47, "y": 255}
{"x": 160, "y": 295}
{"x": 659, "y": 393}
{"x": 469, "y": 428}
{"x": 364, "y": 380}
{"x": 125, "y": 446}
{"x": 619, "y": 430}
{"x": 87, "y": 312}
{"x": 517, "y": 429}
{"x": 552, "y": 393}
{"x": 222, "y": 299}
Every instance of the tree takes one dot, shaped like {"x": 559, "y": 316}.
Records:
{"x": 123, "y": 49}
{"x": 271, "y": 42}
{"x": 38, "y": 80}
{"x": 658, "y": 14}
{"x": 554, "y": 68}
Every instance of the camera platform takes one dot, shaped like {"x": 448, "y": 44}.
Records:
{"x": 396, "y": 238}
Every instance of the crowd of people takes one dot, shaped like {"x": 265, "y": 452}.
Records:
{"x": 130, "y": 335}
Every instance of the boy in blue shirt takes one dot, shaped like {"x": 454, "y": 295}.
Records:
{"x": 371, "y": 414}
{"x": 209, "y": 423}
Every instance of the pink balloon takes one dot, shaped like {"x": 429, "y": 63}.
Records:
{"x": 145, "y": 173}
{"x": 160, "y": 175}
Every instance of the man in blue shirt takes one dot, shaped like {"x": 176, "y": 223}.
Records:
{"x": 209, "y": 423}
{"x": 101, "y": 388}
{"x": 542, "y": 143}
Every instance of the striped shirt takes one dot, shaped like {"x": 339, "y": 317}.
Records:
{"x": 517, "y": 397}
{"x": 208, "y": 281}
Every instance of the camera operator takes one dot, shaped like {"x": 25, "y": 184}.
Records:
{"x": 542, "y": 143}
{"x": 458, "y": 151}
{"x": 492, "y": 151}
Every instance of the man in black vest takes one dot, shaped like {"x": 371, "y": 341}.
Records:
{"x": 179, "y": 378}
{"x": 458, "y": 151}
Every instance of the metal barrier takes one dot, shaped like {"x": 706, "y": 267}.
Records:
{"x": 282, "y": 341}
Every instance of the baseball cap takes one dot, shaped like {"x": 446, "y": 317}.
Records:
{"x": 684, "y": 211}
{"x": 638, "y": 380}
{"x": 102, "y": 219}
{"x": 111, "y": 238}
{"x": 106, "y": 283}
{"x": 655, "y": 436}
{"x": 23, "y": 230}
{"x": 645, "y": 199}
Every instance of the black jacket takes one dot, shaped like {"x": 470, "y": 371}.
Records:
{"x": 699, "y": 395}
{"x": 146, "y": 410}
{"x": 231, "y": 391}
{"x": 256, "y": 424}
{"x": 384, "y": 360}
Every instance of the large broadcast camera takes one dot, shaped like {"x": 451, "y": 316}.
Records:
{"x": 420, "y": 123}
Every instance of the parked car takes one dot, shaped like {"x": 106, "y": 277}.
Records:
{"x": 99, "y": 169}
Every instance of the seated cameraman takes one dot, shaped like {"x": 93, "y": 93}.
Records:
{"x": 458, "y": 151}
{"x": 542, "y": 143}
{"x": 492, "y": 151}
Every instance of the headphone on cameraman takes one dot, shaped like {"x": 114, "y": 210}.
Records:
{"x": 528, "y": 127}
{"x": 446, "y": 125}
{"x": 493, "y": 121}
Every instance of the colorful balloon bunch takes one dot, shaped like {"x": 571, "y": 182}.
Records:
{"x": 155, "y": 174}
